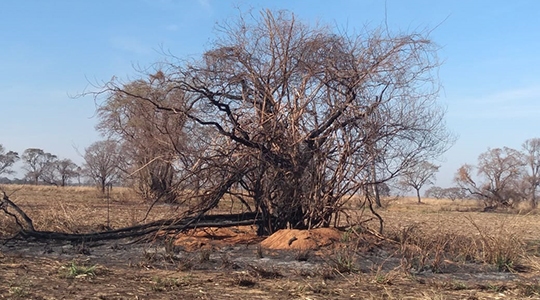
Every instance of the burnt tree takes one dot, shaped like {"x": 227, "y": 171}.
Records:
{"x": 299, "y": 117}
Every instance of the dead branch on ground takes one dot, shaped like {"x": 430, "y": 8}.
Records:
{"x": 200, "y": 220}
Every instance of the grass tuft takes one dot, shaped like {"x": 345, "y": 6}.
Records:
{"x": 74, "y": 270}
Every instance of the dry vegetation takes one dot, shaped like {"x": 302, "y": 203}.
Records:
{"x": 441, "y": 249}
{"x": 80, "y": 209}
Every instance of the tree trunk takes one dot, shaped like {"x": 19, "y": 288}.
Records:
{"x": 377, "y": 197}
{"x": 103, "y": 186}
{"x": 375, "y": 186}
{"x": 534, "y": 203}
{"x": 418, "y": 196}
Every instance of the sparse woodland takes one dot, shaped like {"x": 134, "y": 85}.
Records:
{"x": 279, "y": 126}
{"x": 288, "y": 119}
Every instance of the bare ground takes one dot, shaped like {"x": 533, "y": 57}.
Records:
{"x": 234, "y": 263}
{"x": 43, "y": 277}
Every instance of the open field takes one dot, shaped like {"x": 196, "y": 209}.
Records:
{"x": 437, "y": 250}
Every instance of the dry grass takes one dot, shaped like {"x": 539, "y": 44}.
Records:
{"x": 438, "y": 237}
{"x": 444, "y": 236}
{"x": 80, "y": 209}
{"x": 442, "y": 251}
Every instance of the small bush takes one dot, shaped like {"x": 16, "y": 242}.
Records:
{"x": 204, "y": 255}
{"x": 73, "y": 270}
{"x": 343, "y": 261}
{"x": 244, "y": 279}
{"x": 169, "y": 284}
{"x": 302, "y": 255}
{"x": 19, "y": 292}
{"x": 265, "y": 273}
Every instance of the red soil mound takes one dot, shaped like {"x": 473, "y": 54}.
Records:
{"x": 203, "y": 238}
{"x": 302, "y": 239}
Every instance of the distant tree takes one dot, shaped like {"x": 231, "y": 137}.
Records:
{"x": 102, "y": 163}
{"x": 79, "y": 172}
{"x": 500, "y": 177}
{"x": 36, "y": 163}
{"x": 50, "y": 175}
{"x": 60, "y": 172}
{"x": 67, "y": 170}
{"x": 7, "y": 159}
{"x": 419, "y": 175}
{"x": 383, "y": 189}
{"x": 151, "y": 138}
{"x": 454, "y": 193}
{"x": 5, "y": 180}
{"x": 436, "y": 192}
{"x": 531, "y": 155}
{"x": 451, "y": 193}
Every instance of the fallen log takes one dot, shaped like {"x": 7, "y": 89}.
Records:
{"x": 177, "y": 224}
{"x": 127, "y": 232}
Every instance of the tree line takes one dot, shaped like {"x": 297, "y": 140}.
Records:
{"x": 101, "y": 166}
{"x": 502, "y": 177}
{"x": 290, "y": 120}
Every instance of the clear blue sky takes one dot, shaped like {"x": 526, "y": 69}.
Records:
{"x": 52, "y": 49}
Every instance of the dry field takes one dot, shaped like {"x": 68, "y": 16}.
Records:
{"x": 436, "y": 250}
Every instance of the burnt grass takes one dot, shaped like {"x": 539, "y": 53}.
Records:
{"x": 440, "y": 250}
{"x": 128, "y": 269}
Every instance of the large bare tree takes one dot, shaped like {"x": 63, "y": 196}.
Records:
{"x": 531, "y": 154}
{"x": 499, "y": 180}
{"x": 103, "y": 160}
{"x": 37, "y": 163}
{"x": 296, "y": 118}
{"x": 59, "y": 172}
{"x": 7, "y": 159}
{"x": 152, "y": 138}
{"x": 418, "y": 175}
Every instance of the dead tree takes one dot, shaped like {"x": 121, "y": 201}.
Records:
{"x": 500, "y": 177}
{"x": 299, "y": 115}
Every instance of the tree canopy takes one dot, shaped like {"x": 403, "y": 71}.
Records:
{"x": 291, "y": 119}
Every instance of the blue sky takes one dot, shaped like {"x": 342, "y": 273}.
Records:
{"x": 52, "y": 49}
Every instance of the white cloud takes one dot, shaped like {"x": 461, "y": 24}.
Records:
{"x": 508, "y": 104}
{"x": 129, "y": 44}
{"x": 513, "y": 95}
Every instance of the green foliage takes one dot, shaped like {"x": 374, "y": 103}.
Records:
{"x": 343, "y": 261}
{"x": 73, "y": 270}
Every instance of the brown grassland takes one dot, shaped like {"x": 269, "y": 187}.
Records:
{"x": 441, "y": 249}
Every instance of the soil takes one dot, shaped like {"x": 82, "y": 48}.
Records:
{"x": 232, "y": 263}
{"x": 289, "y": 239}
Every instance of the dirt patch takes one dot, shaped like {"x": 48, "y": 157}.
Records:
{"x": 285, "y": 239}
{"x": 302, "y": 239}
{"x": 197, "y": 239}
